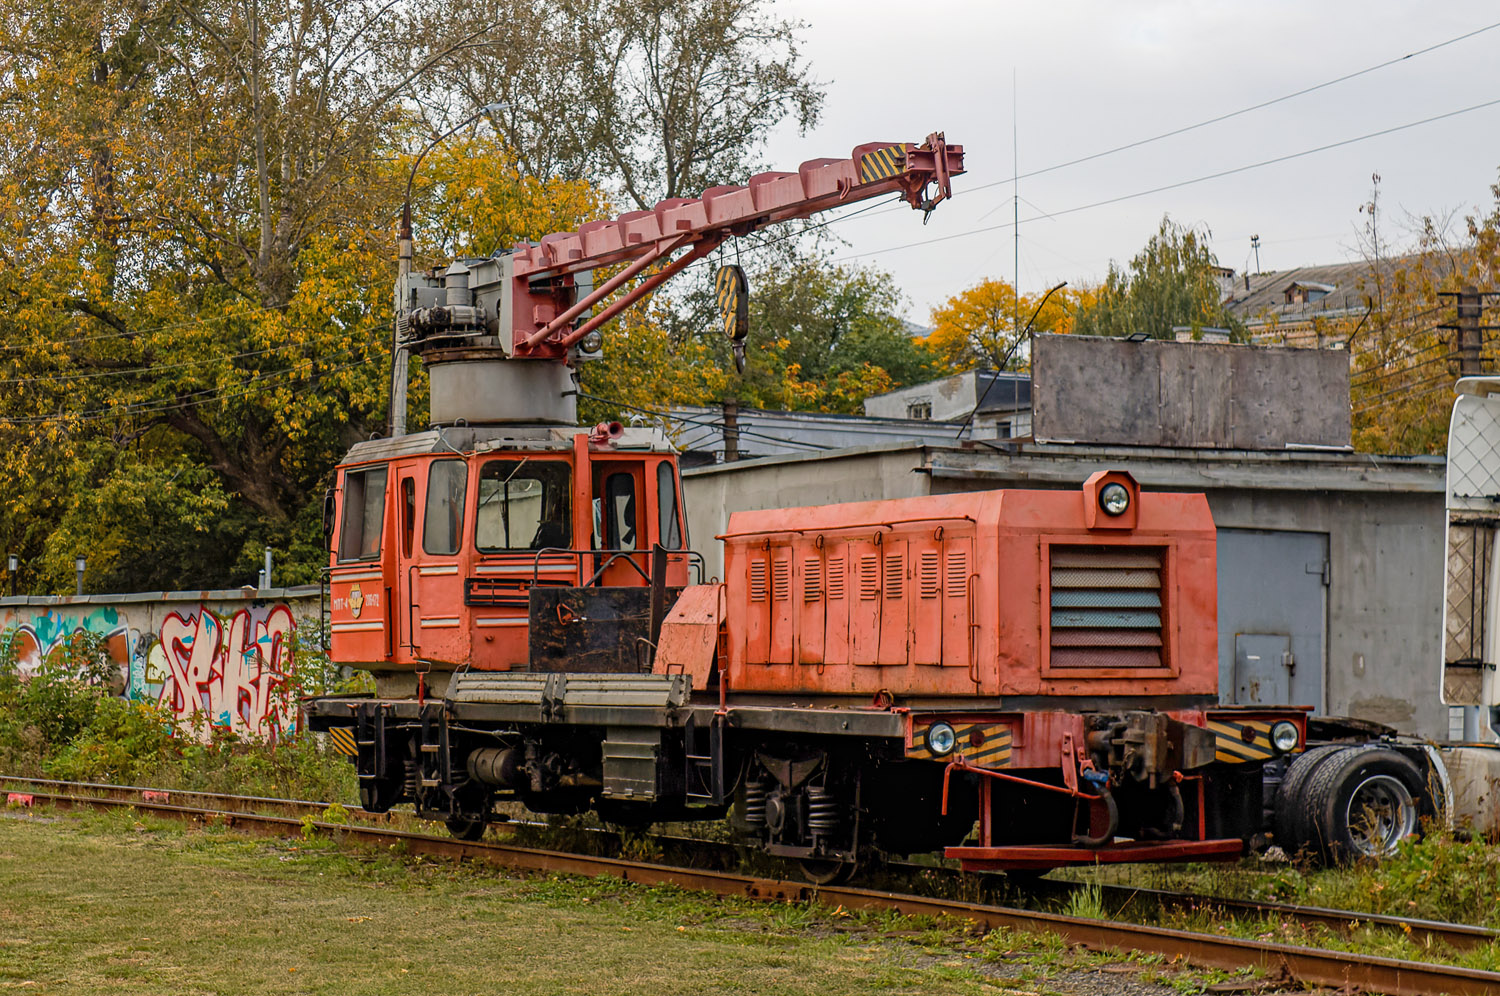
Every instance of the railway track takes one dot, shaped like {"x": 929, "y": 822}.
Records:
{"x": 1305, "y": 965}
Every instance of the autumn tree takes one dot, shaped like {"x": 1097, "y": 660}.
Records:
{"x": 986, "y": 326}
{"x": 198, "y": 202}
{"x": 647, "y": 98}
{"x": 1169, "y": 283}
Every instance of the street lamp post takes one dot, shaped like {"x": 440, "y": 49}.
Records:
{"x": 396, "y": 419}
{"x": 80, "y": 565}
{"x": 13, "y": 566}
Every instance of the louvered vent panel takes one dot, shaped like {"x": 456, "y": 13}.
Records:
{"x": 781, "y": 580}
{"x": 958, "y": 573}
{"x": 836, "y": 578}
{"x": 1106, "y": 607}
{"x": 895, "y": 574}
{"x": 869, "y": 576}
{"x": 929, "y": 574}
{"x": 757, "y": 580}
{"x": 812, "y": 579}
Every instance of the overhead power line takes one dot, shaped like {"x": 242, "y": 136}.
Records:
{"x": 1184, "y": 183}
{"x": 195, "y": 398}
{"x": 1234, "y": 114}
{"x": 133, "y": 333}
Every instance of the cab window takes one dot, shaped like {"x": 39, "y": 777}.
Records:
{"x": 443, "y": 519}
{"x": 666, "y": 501}
{"x": 524, "y": 505}
{"x": 364, "y": 513}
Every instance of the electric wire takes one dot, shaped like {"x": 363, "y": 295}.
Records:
{"x": 700, "y": 422}
{"x": 205, "y": 396}
{"x": 1183, "y": 183}
{"x": 1233, "y": 114}
{"x": 133, "y": 333}
{"x": 1204, "y": 123}
{"x": 155, "y": 367}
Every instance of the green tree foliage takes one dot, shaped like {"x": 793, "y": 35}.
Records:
{"x": 197, "y": 204}
{"x": 1403, "y": 361}
{"x": 823, "y": 338}
{"x": 1168, "y": 283}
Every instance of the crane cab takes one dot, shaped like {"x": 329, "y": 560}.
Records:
{"x": 438, "y": 540}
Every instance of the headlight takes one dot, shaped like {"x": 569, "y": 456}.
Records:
{"x": 1114, "y": 498}
{"x": 941, "y": 739}
{"x": 592, "y": 343}
{"x": 1284, "y": 736}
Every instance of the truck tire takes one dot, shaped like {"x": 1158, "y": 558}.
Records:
{"x": 1289, "y": 826}
{"x": 1361, "y": 802}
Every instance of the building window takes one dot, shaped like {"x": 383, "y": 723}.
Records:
{"x": 919, "y": 409}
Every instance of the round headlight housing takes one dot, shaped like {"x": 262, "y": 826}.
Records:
{"x": 1114, "y": 498}
{"x": 1284, "y": 736}
{"x": 941, "y": 739}
{"x": 593, "y": 342}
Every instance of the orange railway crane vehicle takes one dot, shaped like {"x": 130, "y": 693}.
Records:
{"x": 1022, "y": 679}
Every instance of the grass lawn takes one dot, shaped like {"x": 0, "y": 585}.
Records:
{"x": 115, "y": 903}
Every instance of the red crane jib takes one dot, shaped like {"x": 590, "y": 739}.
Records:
{"x": 701, "y": 224}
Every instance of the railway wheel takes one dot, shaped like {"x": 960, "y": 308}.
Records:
{"x": 1291, "y": 831}
{"x": 466, "y": 828}
{"x": 1361, "y": 802}
{"x": 827, "y": 871}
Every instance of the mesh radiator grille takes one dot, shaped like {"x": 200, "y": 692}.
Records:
{"x": 1106, "y": 607}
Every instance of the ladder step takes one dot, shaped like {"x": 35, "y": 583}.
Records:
{"x": 430, "y": 748}
{"x": 431, "y": 783}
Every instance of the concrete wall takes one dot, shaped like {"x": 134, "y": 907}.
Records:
{"x": 1383, "y": 517}
{"x": 211, "y": 658}
{"x": 1196, "y": 394}
{"x": 952, "y": 399}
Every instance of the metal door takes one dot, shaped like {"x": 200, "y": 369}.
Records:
{"x": 1263, "y": 669}
{"x": 1273, "y": 600}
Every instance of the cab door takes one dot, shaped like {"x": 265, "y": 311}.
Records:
{"x": 405, "y": 616}
{"x": 620, "y": 523}
{"x": 671, "y": 520}
{"x": 439, "y": 563}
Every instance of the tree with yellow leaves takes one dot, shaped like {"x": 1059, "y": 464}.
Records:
{"x": 986, "y": 325}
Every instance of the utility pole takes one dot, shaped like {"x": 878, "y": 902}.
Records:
{"x": 1255, "y": 244}
{"x": 731, "y": 430}
{"x": 1470, "y": 337}
{"x": 1468, "y": 334}
{"x": 396, "y": 417}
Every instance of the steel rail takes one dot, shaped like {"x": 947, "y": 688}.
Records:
{"x": 1458, "y": 936}
{"x": 1308, "y": 966}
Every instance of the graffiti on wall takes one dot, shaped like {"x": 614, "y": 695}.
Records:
{"x": 208, "y": 669}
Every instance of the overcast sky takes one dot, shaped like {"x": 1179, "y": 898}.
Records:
{"x": 1090, "y": 76}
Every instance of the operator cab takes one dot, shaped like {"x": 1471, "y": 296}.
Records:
{"x": 438, "y": 539}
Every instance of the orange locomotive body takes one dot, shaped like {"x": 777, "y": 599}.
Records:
{"x": 1021, "y": 679}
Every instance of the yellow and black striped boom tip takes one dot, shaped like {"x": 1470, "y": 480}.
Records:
{"x": 882, "y": 164}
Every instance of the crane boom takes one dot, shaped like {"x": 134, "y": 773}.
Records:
{"x": 534, "y": 302}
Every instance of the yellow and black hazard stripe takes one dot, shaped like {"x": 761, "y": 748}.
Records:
{"x": 1241, "y": 741}
{"x": 732, "y": 294}
{"x": 984, "y": 744}
{"x": 342, "y": 739}
{"x": 882, "y": 163}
